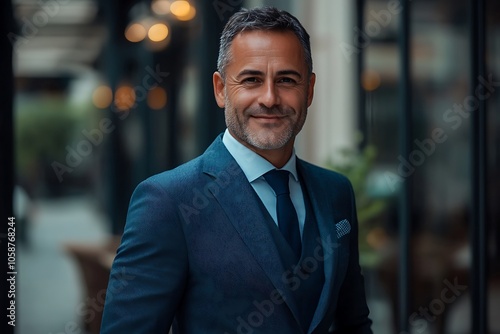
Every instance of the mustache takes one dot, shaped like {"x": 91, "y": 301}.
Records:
{"x": 274, "y": 111}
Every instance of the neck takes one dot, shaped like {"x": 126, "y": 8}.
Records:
{"x": 277, "y": 157}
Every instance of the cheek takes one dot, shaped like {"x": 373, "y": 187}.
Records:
{"x": 297, "y": 103}
{"x": 294, "y": 97}
{"x": 241, "y": 101}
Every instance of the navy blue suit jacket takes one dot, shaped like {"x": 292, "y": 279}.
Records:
{"x": 195, "y": 253}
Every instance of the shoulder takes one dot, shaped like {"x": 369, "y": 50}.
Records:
{"x": 160, "y": 196}
{"x": 176, "y": 180}
{"x": 198, "y": 171}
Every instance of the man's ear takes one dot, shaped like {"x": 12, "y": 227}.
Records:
{"x": 310, "y": 92}
{"x": 219, "y": 90}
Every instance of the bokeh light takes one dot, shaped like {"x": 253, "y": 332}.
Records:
{"x": 180, "y": 8}
{"x": 124, "y": 98}
{"x": 102, "y": 97}
{"x": 370, "y": 80}
{"x": 157, "y": 98}
{"x": 189, "y": 16}
{"x": 161, "y": 7}
{"x": 158, "y": 32}
{"x": 135, "y": 32}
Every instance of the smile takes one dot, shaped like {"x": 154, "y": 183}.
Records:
{"x": 268, "y": 118}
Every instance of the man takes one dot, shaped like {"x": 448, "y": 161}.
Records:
{"x": 217, "y": 245}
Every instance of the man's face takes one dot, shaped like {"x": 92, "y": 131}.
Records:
{"x": 266, "y": 91}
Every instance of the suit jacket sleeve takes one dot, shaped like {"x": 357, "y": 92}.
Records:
{"x": 352, "y": 310}
{"x": 149, "y": 272}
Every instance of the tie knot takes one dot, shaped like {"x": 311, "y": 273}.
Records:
{"x": 278, "y": 180}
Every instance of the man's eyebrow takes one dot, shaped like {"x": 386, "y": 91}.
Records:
{"x": 249, "y": 72}
{"x": 257, "y": 72}
{"x": 289, "y": 72}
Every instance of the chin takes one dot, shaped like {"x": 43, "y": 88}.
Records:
{"x": 267, "y": 142}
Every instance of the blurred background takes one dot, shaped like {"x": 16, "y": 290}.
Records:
{"x": 98, "y": 95}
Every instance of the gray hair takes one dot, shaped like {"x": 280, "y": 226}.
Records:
{"x": 265, "y": 18}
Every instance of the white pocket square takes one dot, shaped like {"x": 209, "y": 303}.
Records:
{"x": 343, "y": 228}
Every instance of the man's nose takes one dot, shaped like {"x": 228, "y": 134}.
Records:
{"x": 270, "y": 95}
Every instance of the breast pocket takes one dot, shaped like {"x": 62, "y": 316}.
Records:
{"x": 343, "y": 228}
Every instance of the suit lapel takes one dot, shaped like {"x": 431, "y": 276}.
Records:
{"x": 241, "y": 205}
{"x": 321, "y": 201}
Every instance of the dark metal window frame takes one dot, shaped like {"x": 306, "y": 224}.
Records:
{"x": 478, "y": 163}
{"x": 479, "y": 240}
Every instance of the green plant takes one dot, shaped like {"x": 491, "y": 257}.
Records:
{"x": 356, "y": 165}
{"x": 44, "y": 126}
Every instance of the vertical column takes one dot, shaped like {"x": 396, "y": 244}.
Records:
{"x": 405, "y": 140}
{"x": 478, "y": 166}
{"x": 362, "y": 122}
{"x": 335, "y": 44}
{"x": 7, "y": 156}
{"x": 117, "y": 173}
{"x": 210, "y": 119}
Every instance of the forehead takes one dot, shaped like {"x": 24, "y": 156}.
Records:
{"x": 260, "y": 46}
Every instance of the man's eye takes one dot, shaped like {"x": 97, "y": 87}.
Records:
{"x": 250, "y": 80}
{"x": 287, "y": 80}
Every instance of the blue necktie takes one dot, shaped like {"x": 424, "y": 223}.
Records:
{"x": 287, "y": 216}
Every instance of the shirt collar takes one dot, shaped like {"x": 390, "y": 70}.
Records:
{"x": 252, "y": 164}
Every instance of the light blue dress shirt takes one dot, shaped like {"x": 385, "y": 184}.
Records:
{"x": 254, "y": 167}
